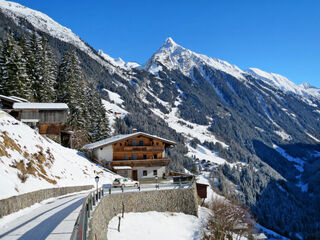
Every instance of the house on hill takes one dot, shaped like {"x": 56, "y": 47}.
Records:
{"x": 137, "y": 155}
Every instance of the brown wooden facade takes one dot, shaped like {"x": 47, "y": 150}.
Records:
{"x": 139, "y": 151}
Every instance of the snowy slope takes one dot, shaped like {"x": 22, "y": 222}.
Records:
{"x": 284, "y": 84}
{"x": 29, "y": 162}
{"x": 46, "y": 24}
{"x": 118, "y": 62}
{"x": 174, "y": 56}
{"x": 114, "y": 108}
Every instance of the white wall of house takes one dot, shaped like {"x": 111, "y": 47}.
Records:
{"x": 104, "y": 153}
{"x": 160, "y": 171}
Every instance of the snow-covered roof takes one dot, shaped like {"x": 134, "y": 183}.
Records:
{"x": 118, "y": 138}
{"x": 40, "y": 106}
{"x": 13, "y": 99}
{"x": 122, "y": 168}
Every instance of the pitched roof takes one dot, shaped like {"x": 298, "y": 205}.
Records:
{"x": 13, "y": 99}
{"x": 118, "y": 138}
{"x": 40, "y": 106}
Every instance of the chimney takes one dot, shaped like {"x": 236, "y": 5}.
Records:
{"x": 134, "y": 130}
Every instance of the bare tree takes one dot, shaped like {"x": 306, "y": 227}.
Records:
{"x": 230, "y": 220}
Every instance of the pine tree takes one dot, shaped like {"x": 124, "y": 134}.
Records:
{"x": 98, "y": 127}
{"x": 34, "y": 65}
{"x": 13, "y": 75}
{"x": 48, "y": 73}
{"x": 71, "y": 90}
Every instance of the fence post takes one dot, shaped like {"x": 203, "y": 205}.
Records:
{"x": 88, "y": 209}
{"x": 122, "y": 188}
{"x": 119, "y": 224}
{"x": 122, "y": 210}
{"x": 109, "y": 190}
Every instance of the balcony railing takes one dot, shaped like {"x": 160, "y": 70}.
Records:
{"x": 142, "y": 148}
{"x": 140, "y": 162}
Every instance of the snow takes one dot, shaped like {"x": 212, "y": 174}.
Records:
{"x": 114, "y": 109}
{"x": 285, "y": 84}
{"x": 313, "y": 137}
{"x": 155, "y": 225}
{"x": 298, "y": 164}
{"x": 44, "y": 23}
{"x": 176, "y": 57}
{"x": 202, "y": 152}
{"x": 188, "y": 129}
{"x": 271, "y": 234}
{"x": 52, "y": 165}
{"x": 53, "y": 218}
{"x": 118, "y": 62}
{"x": 285, "y": 136}
{"x": 40, "y": 106}
{"x": 13, "y": 99}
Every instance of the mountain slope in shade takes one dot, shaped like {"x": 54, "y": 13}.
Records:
{"x": 30, "y": 162}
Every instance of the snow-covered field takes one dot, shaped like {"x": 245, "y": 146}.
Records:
{"x": 156, "y": 225}
{"x": 29, "y": 162}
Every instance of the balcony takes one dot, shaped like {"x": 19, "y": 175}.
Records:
{"x": 141, "y": 162}
{"x": 140, "y": 149}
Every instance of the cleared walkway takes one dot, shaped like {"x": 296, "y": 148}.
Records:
{"x": 54, "y": 220}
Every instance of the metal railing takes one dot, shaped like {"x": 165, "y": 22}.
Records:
{"x": 81, "y": 226}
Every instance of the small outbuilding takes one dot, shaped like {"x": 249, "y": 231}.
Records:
{"x": 49, "y": 118}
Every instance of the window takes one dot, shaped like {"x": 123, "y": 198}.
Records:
{"x": 144, "y": 156}
{"x": 134, "y": 157}
{"x": 126, "y": 157}
{"x": 155, "y": 156}
{"x": 145, "y": 173}
{"x": 120, "y": 144}
{"x": 155, "y": 173}
{"x": 134, "y": 143}
{"x": 141, "y": 143}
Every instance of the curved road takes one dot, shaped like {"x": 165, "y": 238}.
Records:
{"x": 53, "y": 220}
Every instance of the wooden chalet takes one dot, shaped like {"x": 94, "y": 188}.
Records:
{"x": 49, "y": 118}
{"x": 137, "y": 155}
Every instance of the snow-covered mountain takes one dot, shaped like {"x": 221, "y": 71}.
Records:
{"x": 118, "y": 62}
{"x": 284, "y": 84}
{"x": 174, "y": 56}
{"x": 29, "y": 162}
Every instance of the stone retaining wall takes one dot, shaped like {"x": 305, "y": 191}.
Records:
{"x": 173, "y": 200}
{"x": 15, "y": 203}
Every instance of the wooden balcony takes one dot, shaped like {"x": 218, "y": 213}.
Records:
{"x": 141, "y": 162}
{"x": 139, "y": 149}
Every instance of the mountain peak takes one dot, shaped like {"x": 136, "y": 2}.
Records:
{"x": 168, "y": 43}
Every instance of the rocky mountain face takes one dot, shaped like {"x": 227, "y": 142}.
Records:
{"x": 260, "y": 129}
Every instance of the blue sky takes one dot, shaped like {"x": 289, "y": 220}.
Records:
{"x": 280, "y": 36}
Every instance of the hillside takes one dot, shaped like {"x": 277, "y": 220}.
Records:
{"x": 30, "y": 162}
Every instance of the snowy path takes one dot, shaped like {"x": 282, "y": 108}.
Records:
{"x": 53, "y": 220}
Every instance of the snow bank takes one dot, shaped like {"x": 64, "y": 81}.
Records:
{"x": 30, "y": 162}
